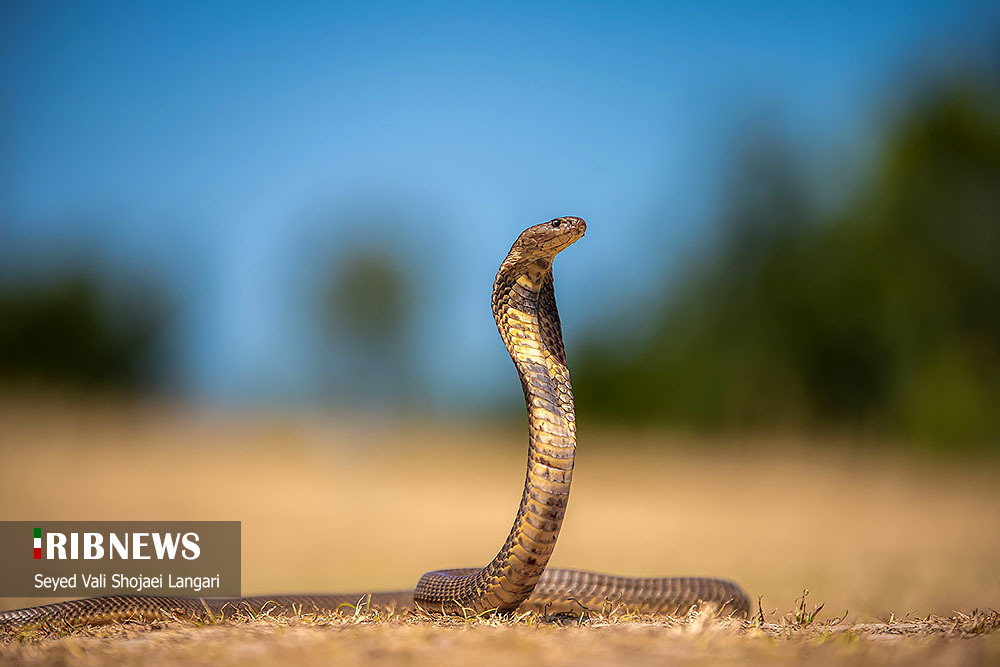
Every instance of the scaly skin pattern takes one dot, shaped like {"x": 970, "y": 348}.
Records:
{"x": 524, "y": 307}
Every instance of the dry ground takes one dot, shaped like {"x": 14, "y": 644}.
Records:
{"x": 370, "y": 504}
{"x": 699, "y": 639}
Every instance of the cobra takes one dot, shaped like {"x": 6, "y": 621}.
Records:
{"x": 524, "y": 307}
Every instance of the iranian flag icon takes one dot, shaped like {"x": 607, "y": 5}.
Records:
{"x": 38, "y": 543}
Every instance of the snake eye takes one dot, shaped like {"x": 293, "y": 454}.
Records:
{"x": 556, "y": 223}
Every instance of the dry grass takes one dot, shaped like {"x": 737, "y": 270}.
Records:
{"x": 700, "y": 638}
{"x": 891, "y": 547}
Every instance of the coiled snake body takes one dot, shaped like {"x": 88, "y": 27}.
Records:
{"x": 524, "y": 307}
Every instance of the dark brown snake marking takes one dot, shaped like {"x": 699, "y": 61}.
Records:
{"x": 524, "y": 307}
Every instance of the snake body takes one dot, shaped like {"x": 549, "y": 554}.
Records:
{"x": 524, "y": 307}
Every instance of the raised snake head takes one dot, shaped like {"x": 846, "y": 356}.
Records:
{"x": 541, "y": 243}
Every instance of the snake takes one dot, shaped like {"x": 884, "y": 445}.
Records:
{"x": 517, "y": 579}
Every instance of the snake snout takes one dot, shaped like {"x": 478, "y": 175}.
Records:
{"x": 559, "y": 233}
{"x": 569, "y": 224}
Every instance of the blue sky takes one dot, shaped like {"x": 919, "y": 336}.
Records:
{"x": 217, "y": 145}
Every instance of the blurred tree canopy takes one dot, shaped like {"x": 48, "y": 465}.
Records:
{"x": 366, "y": 305}
{"x": 882, "y": 316}
{"x": 367, "y": 298}
{"x": 69, "y": 334}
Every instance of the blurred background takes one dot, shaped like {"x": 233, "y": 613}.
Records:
{"x": 247, "y": 209}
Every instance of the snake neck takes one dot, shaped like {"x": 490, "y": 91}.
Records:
{"x": 524, "y": 306}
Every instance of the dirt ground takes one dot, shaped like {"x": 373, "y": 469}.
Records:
{"x": 901, "y": 552}
{"x": 698, "y": 639}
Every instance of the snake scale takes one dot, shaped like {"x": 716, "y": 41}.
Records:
{"x": 524, "y": 307}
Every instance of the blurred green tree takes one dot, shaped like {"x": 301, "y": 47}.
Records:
{"x": 883, "y": 316}
{"x": 366, "y": 306}
{"x": 69, "y": 334}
